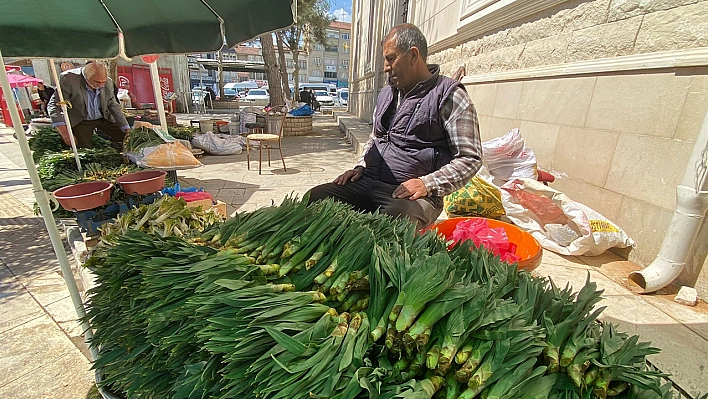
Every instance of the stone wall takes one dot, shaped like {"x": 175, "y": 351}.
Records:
{"x": 225, "y": 104}
{"x": 297, "y": 125}
{"x": 620, "y": 143}
{"x": 581, "y": 30}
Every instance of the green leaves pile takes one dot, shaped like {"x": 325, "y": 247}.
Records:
{"x": 319, "y": 301}
{"x": 47, "y": 140}
{"x": 139, "y": 138}
{"x": 182, "y": 132}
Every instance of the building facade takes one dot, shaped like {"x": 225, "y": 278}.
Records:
{"x": 610, "y": 94}
{"x": 318, "y": 63}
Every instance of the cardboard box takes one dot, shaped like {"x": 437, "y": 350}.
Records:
{"x": 206, "y": 204}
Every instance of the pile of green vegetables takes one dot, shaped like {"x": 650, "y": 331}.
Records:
{"x": 182, "y": 132}
{"x": 140, "y": 138}
{"x": 89, "y": 172}
{"x": 47, "y": 140}
{"x": 168, "y": 216}
{"x": 318, "y": 301}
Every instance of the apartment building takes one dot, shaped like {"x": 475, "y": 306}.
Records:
{"x": 318, "y": 63}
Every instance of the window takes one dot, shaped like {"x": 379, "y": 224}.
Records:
{"x": 330, "y": 61}
{"x": 331, "y": 75}
{"x": 345, "y": 36}
{"x": 289, "y": 64}
{"x": 317, "y": 61}
{"x": 317, "y": 46}
{"x": 302, "y": 78}
{"x": 333, "y": 34}
{"x": 316, "y": 73}
{"x": 302, "y": 64}
{"x": 332, "y": 48}
{"x": 345, "y": 63}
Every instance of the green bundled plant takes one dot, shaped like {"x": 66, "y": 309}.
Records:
{"x": 294, "y": 301}
{"x": 47, "y": 140}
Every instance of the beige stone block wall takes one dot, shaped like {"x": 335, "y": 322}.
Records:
{"x": 618, "y": 143}
{"x": 643, "y": 103}
{"x": 570, "y": 32}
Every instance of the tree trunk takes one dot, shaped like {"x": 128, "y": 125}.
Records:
{"x": 296, "y": 72}
{"x": 283, "y": 67}
{"x": 272, "y": 73}
{"x": 220, "y": 57}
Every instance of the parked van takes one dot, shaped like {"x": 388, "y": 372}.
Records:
{"x": 343, "y": 96}
{"x": 328, "y": 87}
{"x": 241, "y": 86}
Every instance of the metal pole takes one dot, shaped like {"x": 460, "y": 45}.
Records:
{"x": 43, "y": 201}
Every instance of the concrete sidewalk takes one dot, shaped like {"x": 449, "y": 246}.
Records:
{"x": 44, "y": 354}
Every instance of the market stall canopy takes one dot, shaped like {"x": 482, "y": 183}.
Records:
{"x": 22, "y": 80}
{"x": 91, "y": 28}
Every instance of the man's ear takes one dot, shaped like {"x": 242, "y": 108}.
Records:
{"x": 415, "y": 55}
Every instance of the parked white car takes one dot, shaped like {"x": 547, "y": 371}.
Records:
{"x": 324, "y": 98}
{"x": 257, "y": 94}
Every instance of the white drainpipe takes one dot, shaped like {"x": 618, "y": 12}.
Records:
{"x": 691, "y": 206}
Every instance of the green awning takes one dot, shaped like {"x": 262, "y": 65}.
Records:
{"x": 90, "y": 28}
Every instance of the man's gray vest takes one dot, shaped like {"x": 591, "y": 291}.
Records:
{"x": 411, "y": 140}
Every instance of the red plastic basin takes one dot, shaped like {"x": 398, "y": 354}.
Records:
{"x": 527, "y": 248}
{"x": 143, "y": 182}
{"x": 84, "y": 196}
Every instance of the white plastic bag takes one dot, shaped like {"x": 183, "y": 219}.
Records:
{"x": 219, "y": 144}
{"x": 560, "y": 224}
{"x": 507, "y": 157}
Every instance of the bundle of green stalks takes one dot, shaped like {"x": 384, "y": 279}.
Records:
{"x": 318, "y": 301}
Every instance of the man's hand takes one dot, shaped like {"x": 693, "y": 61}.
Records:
{"x": 411, "y": 189}
{"x": 351, "y": 175}
{"x": 64, "y": 134}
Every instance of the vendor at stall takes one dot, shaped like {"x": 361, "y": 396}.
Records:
{"x": 93, "y": 106}
{"x": 127, "y": 98}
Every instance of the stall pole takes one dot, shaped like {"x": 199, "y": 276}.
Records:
{"x": 66, "y": 114}
{"x": 43, "y": 201}
{"x": 158, "y": 95}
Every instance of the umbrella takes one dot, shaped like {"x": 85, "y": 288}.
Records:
{"x": 92, "y": 28}
{"x": 22, "y": 80}
{"x": 110, "y": 28}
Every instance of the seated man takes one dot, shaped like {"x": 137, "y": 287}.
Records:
{"x": 93, "y": 106}
{"x": 425, "y": 142}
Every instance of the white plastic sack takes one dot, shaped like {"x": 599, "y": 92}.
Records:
{"x": 560, "y": 224}
{"x": 507, "y": 157}
{"x": 219, "y": 144}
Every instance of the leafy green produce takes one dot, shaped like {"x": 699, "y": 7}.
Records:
{"x": 47, "y": 140}
{"x": 53, "y": 164}
{"x": 140, "y": 138}
{"x": 293, "y": 301}
{"x": 182, "y": 132}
